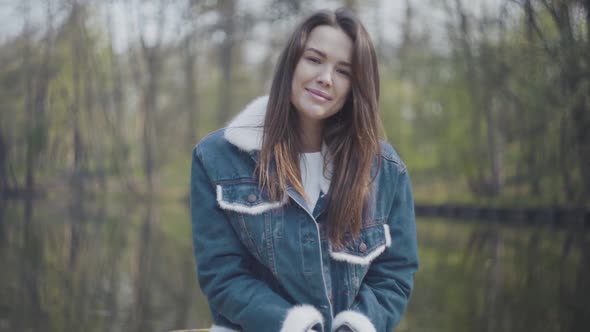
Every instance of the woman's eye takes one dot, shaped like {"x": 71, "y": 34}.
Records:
{"x": 344, "y": 72}
{"x": 313, "y": 59}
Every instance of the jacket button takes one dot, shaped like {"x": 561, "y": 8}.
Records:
{"x": 252, "y": 198}
{"x": 363, "y": 247}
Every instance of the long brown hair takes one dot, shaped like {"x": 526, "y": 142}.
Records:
{"x": 351, "y": 135}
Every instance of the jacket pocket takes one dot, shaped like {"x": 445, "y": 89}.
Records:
{"x": 245, "y": 197}
{"x": 257, "y": 220}
{"x": 372, "y": 241}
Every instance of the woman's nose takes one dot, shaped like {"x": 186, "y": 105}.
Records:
{"x": 325, "y": 77}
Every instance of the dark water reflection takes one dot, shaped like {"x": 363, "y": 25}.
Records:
{"x": 488, "y": 277}
{"x": 94, "y": 264}
{"x": 98, "y": 265}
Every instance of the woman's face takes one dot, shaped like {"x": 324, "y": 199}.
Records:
{"x": 322, "y": 77}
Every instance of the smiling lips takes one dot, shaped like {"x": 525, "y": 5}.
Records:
{"x": 319, "y": 95}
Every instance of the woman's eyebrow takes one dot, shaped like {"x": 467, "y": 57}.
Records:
{"x": 323, "y": 55}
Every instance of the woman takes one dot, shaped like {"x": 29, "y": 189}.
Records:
{"x": 303, "y": 219}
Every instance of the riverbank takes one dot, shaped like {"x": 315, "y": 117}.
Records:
{"x": 556, "y": 216}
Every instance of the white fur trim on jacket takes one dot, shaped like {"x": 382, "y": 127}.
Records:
{"x": 302, "y": 318}
{"x": 363, "y": 260}
{"x": 355, "y": 320}
{"x": 246, "y": 130}
{"x": 387, "y": 235}
{"x": 241, "y": 208}
{"x": 217, "y": 328}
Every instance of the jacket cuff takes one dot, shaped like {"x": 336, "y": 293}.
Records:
{"x": 354, "y": 320}
{"x": 302, "y": 318}
{"x": 217, "y": 328}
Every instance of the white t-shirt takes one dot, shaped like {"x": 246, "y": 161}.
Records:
{"x": 312, "y": 171}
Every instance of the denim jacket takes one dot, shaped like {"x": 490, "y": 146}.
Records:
{"x": 268, "y": 265}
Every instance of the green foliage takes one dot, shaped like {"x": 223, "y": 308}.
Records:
{"x": 498, "y": 116}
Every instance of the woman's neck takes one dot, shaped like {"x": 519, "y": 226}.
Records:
{"x": 311, "y": 136}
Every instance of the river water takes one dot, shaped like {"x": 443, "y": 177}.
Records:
{"x": 116, "y": 264}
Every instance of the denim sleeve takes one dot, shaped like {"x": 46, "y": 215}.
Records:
{"x": 385, "y": 290}
{"x": 223, "y": 267}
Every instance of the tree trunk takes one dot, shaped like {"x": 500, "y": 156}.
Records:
{"x": 3, "y": 171}
{"x": 228, "y": 12}
{"x": 482, "y": 101}
{"x": 116, "y": 122}
{"x": 575, "y": 86}
{"x": 152, "y": 56}
{"x": 76, "y": 47}
{"x": 481, "y": 105}
{"x": 191, "y": 93}
{"x": 149, "y": 110}
{"x": 30, "y": 120}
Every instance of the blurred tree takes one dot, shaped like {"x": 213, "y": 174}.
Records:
{"x": 495, "y": 105}
{"x": 478, "y": 74}
{"x": 557, "y": 39}
{"x": 37, "y": 78}
{"x": 75, "y": 23}
{"x": 116, "y": 107}
{"x": 191, "y": 88}
{"x": 227, "y": 26}
{"x": 148, "y": 79}
{"x": 194, "y": 33}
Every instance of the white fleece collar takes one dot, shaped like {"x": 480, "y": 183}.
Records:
{"x": 246, "y": 131}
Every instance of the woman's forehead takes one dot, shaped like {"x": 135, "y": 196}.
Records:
{"x": 332, "y": 42}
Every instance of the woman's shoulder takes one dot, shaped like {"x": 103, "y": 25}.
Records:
{"x": 221, "y": 159}
{"x": 214, "y": 145}
{"x": 212, "y": 140}
{"x": 389, "y": 155}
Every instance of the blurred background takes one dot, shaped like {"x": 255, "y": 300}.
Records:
{"x": 101, "y": 103}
